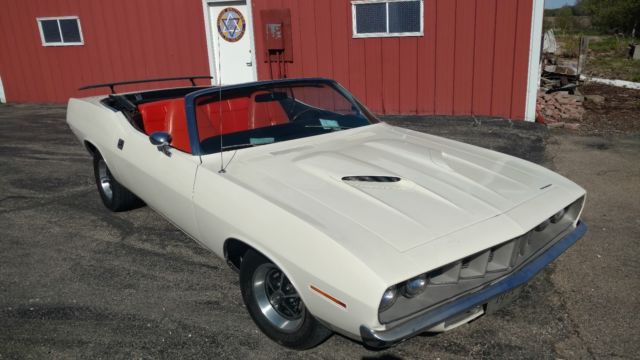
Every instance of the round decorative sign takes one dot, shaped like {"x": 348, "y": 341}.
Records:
{"x": 231, "y": 24}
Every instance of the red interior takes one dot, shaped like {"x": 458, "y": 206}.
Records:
{"x": 238, "y": 114}
{"x": 168, "y": 116}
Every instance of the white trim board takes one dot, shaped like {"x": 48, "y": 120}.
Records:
{"x": 612, "y": 82}
{"x": 533, "y": 81}
{"x": 3, "y": 98}
{"x": 209, "y": 33}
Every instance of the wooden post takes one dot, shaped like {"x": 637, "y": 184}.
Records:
{"x": 582, "y": 58}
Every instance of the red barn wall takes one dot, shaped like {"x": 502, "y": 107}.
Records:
{"x": 472, "y": 59}
{"x": 123, "y": 40}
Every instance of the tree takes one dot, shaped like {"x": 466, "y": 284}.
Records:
{"x": 613, "y": 15}
{"x": 564, "y": 18}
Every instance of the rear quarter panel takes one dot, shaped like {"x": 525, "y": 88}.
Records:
{"x": 100, "y": 126}
{"x": 92, "y": 122}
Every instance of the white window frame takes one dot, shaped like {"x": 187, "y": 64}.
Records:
{"x": 387, "y": 33}
{"x": 61, "y": 43}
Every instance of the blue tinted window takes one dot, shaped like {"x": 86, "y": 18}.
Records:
{"x": 60, "y": 31}
{"x": 388, "y": 18}
{"x": 50, "y": 31}
{"x": 404, "y": 16}
{"x": 70, "y": 30}
{"x": 371, "y": 18}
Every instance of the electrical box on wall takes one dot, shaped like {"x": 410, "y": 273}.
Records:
{"x": 277, "y": 33}
{"x": 273, "y": 39}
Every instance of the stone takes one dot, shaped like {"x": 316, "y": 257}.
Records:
{"x": 556, "y": 125}
{"x": 596, "y": 99}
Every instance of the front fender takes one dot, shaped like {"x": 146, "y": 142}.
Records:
{"x": 307, "y": 256}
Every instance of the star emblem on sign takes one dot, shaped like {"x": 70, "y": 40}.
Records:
{"x": 231, "y": 24}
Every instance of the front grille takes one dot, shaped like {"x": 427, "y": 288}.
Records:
{"x": 494, "y": 260}
{"x": 468, "y": 273}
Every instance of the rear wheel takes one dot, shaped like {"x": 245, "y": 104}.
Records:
{"x": 275, "y": 306}
{"x": 114, "y": 196}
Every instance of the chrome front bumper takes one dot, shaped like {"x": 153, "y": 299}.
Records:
{"x": 417, "y": 325}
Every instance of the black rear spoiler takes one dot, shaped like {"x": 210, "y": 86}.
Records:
{"x": 113, "y": 84}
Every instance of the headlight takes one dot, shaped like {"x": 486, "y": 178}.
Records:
{"x": 414, "y": 286}
{"x": 558, "y": 216}
{"x": 543, "y": 226}
{"x": 388, "y": 298}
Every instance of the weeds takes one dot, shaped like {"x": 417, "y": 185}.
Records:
{"x": 610, "y": 45}
{"x": 615, "y": 68}
{"x": 608, "y": 56}
{"x": 570, "y": 46}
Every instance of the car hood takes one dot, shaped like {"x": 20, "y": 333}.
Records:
{"x": 444, "y": 185}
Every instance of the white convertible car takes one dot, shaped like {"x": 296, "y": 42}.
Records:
{"x": 336, "y": 222}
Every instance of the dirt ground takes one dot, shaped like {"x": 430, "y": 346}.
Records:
{"x": 77, "y": 281}
{"x": 599, "y": 282}
{"x": 619, "y": 114}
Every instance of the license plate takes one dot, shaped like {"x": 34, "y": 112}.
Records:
{"x": 503, "y": 300}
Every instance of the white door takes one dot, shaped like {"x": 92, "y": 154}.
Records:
{"x": 232, "y": 32}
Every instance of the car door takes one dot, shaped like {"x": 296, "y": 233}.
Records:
{"x": 163, "y": 180}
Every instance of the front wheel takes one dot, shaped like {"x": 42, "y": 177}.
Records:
{"x": 276, "y": 307}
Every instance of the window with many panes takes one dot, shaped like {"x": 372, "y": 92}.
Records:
{"x": 378, "y": 18}
{"x": 60, "y": 31}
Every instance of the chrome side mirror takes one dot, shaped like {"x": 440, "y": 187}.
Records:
{"x": 161, "y": 140}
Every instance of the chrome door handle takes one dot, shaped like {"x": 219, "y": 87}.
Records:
{"x": 250, "y": 63}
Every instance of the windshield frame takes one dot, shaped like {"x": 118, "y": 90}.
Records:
{"x": 191, "y": 100}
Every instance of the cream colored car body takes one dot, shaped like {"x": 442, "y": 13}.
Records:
{"x": 287, "y": 200}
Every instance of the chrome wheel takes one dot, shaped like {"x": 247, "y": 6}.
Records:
{"x": 275, "y": 305}
{"x": 104, "y": 176}
{"x": 277, "y": 299}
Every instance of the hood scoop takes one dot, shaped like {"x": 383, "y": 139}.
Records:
{"x": 372, "y": 179}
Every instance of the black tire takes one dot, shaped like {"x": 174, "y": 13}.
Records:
{"x": 307, "y": 331}
{"x": 114, "y": 196}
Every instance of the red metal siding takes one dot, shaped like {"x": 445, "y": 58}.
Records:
{"x": 408, "y": 69}
{"x": 445, "y": 55}
{"x": 464, "y": 56}
{"x": 521, "y": 62}
{"x": 482, "y": 81}
{"x": 427, "y": 61}
{"x": 123, "y": 40}
{"x": 472, "y": 59}
{"x": 503, "y": 57}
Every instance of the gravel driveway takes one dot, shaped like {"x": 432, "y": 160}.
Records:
{"x": 77, "y": 281}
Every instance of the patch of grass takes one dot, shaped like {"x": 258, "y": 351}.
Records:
{"x": 607, "y": 56}
{"x": 618, "y": 68}
{"x": 609, "y": 45}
